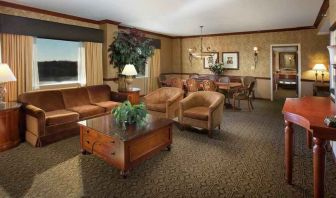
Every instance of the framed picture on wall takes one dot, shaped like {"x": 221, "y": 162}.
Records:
{"x": 211, "y": 59}
{"x": 231, "y": 60}
{"x": 288, "y": 60}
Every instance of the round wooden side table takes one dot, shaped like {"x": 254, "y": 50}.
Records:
{"x": 9, "y": 125}
{"x": 133, "y": 94}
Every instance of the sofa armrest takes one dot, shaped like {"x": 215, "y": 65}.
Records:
{"x": 35, "y": 112}
{"x": 117, "y": 97}
{"x": 215, "y": 114}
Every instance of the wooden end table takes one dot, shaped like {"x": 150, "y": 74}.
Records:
{"x": 124, "y": 148}
{"x": 133, "y": 94}
{"x": 9, "y": 125}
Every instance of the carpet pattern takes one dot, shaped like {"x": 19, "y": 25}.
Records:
{"x": 244, "y": 159}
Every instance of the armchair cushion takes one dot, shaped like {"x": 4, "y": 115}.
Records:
{"x": 161, "y": 107}
{"x": 199, "y": 113}
{"x": 108, "y": 105}
{"x": 61, "y": 117}
{"x": 87, "y": 110}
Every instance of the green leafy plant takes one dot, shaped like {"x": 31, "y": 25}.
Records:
{"x": 130, "y": 48}
{"x": 217, "y": 68}
{"x": 128, "y": 113}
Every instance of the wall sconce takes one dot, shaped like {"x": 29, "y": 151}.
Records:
{"x": 255, "y": 50}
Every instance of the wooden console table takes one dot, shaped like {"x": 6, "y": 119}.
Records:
{"x": 309, "y": 113}
{"x": 321, "y": 89}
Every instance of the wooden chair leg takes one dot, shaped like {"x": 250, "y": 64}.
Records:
{"x": 251, "y": 104}
{"x": 248, "y": 104}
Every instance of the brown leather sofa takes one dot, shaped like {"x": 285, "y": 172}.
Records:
{"x": 164, "y": 102}
{"x": 53, "y": 115}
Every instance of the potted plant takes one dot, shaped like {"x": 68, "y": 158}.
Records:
{"x": 130, "y": 48}
{"x": 217, "y": 68}
{"x": 126, "y": 113}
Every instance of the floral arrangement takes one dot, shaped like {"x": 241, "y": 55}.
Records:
{"x": 217, "y": 68}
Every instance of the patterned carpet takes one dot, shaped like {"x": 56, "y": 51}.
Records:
{"x": 244, "y": 159}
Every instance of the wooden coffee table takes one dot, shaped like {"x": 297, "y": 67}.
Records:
{"x": 124, "y": 148}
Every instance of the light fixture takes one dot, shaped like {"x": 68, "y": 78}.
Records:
{"x": 201, "y": 54}
{"x": 6, "y": 75}
{"x": 129, "y": 71}
{"x": 319, "y": 67}
{"x": 255, "y": 50}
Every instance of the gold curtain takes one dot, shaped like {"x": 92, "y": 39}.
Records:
{"x": 93, "y": 63}
{"x": 154, "y": 71}
{"x": 17, "y": 52}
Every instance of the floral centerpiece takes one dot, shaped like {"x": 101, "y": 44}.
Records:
{"x": 217, "y": 68}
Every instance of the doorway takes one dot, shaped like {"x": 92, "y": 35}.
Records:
{"x": 285, "y": 70}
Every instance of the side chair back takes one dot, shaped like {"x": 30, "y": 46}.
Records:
{"x": 209, "y": 85}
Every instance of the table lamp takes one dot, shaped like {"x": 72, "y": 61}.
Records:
{"x": 129, "y": 71}
{"x": 319, "y": 67}
{"x": 6, "y": 75}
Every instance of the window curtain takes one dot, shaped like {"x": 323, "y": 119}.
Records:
{"x": 154, "y": 71}
{"x": 17, "y": 52}
{"x": 94, "y": 63}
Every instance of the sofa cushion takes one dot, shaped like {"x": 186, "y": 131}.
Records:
{"x": 199, "y": 113}
{"x": 75, "y": 97}
{"x": 108, "y": 105}
{"x": 61, "y": 117}
{"x": 160, "y": 107}
{"x": 99, "y": 93}
{"x": 45, "y": 100}
{"x": 87, "y": 110}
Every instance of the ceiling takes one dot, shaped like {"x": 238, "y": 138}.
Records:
{"x": 183, "y": 17}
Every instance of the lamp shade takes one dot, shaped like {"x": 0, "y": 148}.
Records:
{"x": 129, "y": 70}
{"x": 320, "y": 67}
{"x": 6, "y": 75}
{"x": 332, "y": 54}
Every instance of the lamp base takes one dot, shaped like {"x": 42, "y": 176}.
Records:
{"x": 129, "y": 80}
{"x": 3, "y": 92}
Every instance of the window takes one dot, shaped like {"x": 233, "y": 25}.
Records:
{"x": 58, "y": 62}
{"x": 144, "y": 73}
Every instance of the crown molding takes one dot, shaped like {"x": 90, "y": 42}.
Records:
{"x": 122, "y": 27}
{"x": 252, "y": 32}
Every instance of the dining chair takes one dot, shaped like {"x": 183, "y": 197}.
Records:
{"x": 176, "y": 82}
{"x": 209, "y": 85}
{"x": 228, "y": 92}
{"x": 244, "y": 94}
{"x": 246, "y": 82}
{"x": 192, "y": 86}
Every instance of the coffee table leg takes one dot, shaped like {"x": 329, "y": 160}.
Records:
{"x": 124, "y": 173}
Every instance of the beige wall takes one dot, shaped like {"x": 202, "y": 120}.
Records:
{"x": 313, "y": 49}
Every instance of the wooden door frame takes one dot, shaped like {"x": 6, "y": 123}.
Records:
{"x": 298, "y": 45}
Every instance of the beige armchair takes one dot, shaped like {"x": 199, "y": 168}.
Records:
{"x": 202, "y": 109}
{"x": 164, "y": 102}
